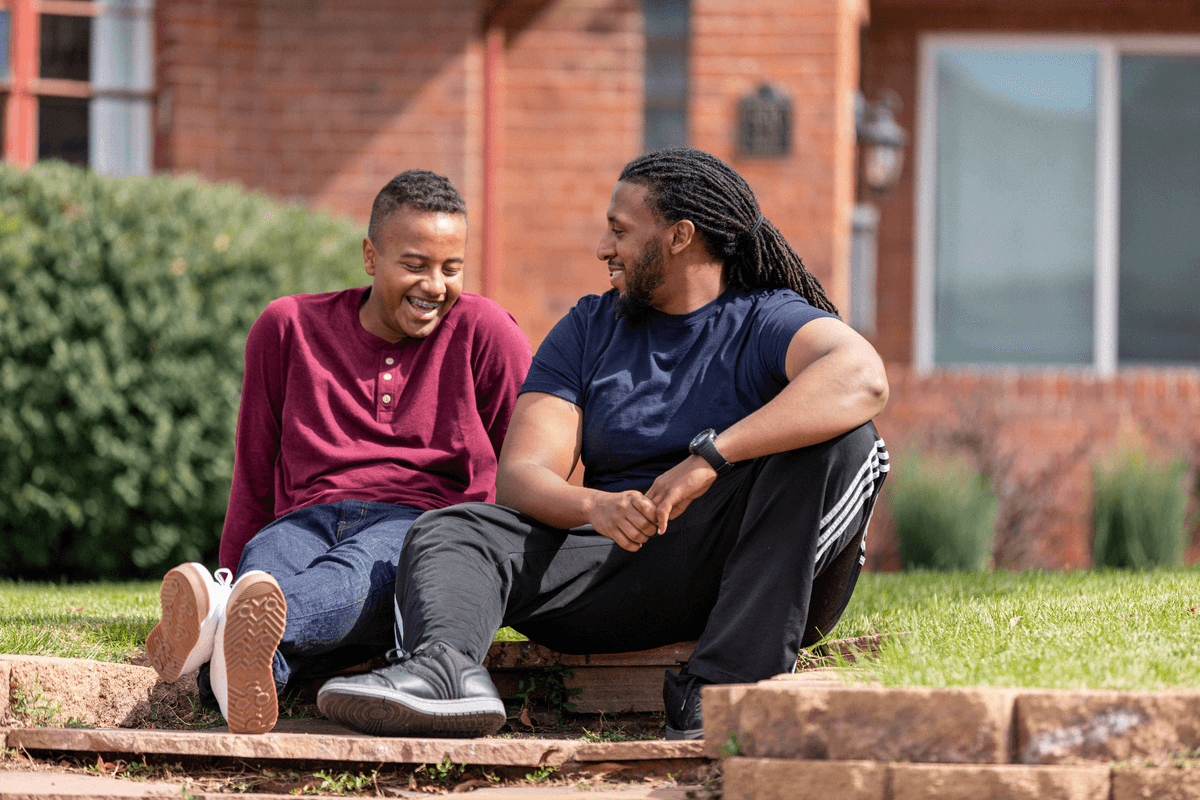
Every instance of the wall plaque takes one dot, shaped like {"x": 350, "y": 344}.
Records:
{"x": 766, "y": 123}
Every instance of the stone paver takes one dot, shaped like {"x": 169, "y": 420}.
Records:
{"x": 51, "y": 786}
{"x": 779, "y": 719}
{"x": 46, "y": 785}
{"x": 1059, "y": 726}
{"x": 324, "y": 740}
{"x": 998, "y": 782}
{"x": 1156, "y": 783}
{"x": 92, "y": 692}
{"x": 784, "y": 779}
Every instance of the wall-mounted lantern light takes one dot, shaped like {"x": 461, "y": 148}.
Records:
{"x": 882, "y": 139}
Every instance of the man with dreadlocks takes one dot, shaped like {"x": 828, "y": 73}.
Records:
{"x": 722, "y": 412}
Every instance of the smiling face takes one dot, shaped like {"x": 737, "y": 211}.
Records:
{"x": 416, "y": 261}
{"x": 632, "y": 246}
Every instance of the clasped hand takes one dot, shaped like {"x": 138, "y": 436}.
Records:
{"x": 630, "y": 518}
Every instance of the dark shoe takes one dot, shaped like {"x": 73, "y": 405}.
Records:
{"x": 436, "y": 691}
{"x": 681, "y": 700}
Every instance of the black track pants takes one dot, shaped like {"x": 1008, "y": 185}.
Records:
{"x": 763, "y": 562}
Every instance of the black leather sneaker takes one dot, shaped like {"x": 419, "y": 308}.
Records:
{"x": 681, "y": 701}
{"x": 436, "y": 691}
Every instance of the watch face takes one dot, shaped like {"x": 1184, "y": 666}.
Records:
{"x": 697, "y": 441}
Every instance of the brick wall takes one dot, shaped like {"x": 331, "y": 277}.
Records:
{"x": 1052, "y": 424}
{"x": 321, "y": 101}
{"x": 808, "y": 48}
{"x": 1050, "y": 429}
{"x": 572, "y": 119}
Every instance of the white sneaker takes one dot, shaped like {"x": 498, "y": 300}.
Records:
{"x": 193, "y": 601}
{"x": 247, "y": 635}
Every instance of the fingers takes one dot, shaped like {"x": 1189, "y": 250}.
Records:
{"x": 629, "y": 519}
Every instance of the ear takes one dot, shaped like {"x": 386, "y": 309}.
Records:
{"x": 682, "y": 234}
{"x": 369, "y": 255}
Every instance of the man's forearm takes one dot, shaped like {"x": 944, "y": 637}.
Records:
{"x": 832, "y": 396}
{"x": 538, "y": 492}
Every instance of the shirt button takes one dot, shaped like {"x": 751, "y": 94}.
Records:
{"x": 387, "y": 376}
{"x": 389, "y": 361}
{"x": 387, "y": 398}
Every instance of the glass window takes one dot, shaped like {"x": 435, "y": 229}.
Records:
{"x": 63, "y": 129}
{"x": 65, "y": 47}
{"x": 5, "y": 45}
{"x": 1015, "y": 207}
{"x": 1159, "y": 316}
{"x": 666, "y": 68}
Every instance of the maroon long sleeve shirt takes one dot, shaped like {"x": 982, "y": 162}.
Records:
{"x": 330, "y": 412}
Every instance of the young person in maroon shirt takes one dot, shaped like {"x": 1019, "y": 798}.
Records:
{"x": 360, "y": 410}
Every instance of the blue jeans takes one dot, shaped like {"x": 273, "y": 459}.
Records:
{"x": 336, "y": 565}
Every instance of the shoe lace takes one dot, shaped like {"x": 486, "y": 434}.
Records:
{"x": 397, "y": 655}
{"x": 224, "y": 576}
{"x": 687, "y": 691}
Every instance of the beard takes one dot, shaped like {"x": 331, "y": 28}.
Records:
{"x": 642, "y": 277}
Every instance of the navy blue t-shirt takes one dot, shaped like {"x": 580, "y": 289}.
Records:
{"x": 646, "y": 390}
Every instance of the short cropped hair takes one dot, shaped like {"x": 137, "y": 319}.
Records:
{"x": 419, "y": 188}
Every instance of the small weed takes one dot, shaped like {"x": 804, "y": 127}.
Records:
{"x": 30, "y": 706}
{"x": 617, "y": 734}
{"x": 341, "y": 783}
{"x": 731, "y": 747}
{"x": 548, "y": 683}
{"x": 541, "y": 774}
{"x": 444, "y": 771}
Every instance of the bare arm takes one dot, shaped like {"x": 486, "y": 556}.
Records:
{"x": 543, "y": 444}
{"x": 836, "y": 383}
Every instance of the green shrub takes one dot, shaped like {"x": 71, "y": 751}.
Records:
{"x": 124, "y": 308}
{"x": 944, "y": 512}
{"x": 1140, "y": 510}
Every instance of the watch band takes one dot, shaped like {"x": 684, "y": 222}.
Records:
{"x": 705, "y": 447}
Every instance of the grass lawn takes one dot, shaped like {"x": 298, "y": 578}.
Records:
{"x": 1055, "y": 630}
{"x": 1096, "y": 630}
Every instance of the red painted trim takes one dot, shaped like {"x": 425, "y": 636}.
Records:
{"x": 493, "y": 155}
{"x": 20, "y": 140}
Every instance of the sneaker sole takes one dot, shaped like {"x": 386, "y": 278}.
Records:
{"x": 392, "y": 714}
{"x": 254, "y": 623}
{"x": 184, "y": 599}
{"x": 674, "y": 735}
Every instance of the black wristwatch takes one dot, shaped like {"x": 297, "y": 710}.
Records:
{"x": 704, "y": 446}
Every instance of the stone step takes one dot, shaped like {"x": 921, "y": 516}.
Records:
{"x": 619, "y": 682}
{"x": 782, "y": 779}
{"x": 322, "y": 740}
{"x": 787, "y": 719}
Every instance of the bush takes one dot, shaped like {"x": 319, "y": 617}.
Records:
{"x": 1140, "y": 511}
{"x": 944, "y": 512}
{"x": 124, "y": 308}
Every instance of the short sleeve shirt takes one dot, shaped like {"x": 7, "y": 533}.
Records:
{"x": 647, "y": 389}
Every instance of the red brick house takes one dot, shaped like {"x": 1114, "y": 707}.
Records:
{"x": 1036, "y": 265}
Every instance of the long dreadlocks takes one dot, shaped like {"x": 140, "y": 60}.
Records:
{"x": 683, "y": 183}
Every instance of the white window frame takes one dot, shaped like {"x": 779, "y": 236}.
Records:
{"x": 1107, "y": 50}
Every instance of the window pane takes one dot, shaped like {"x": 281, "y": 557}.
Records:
{"x": 121, "y": 57}
{"x": 63, "y": 129}
{"x": 120, "y": 136}
{"x": 1015, "y": 208}
{"x": 666, "y": 17}
{"x": 666, "y": 70}
{"x": 5, "y": 46}
{"x": 66, "y": 50}
{"x": 665, "y": 127}
{"x": 1159, "y": 318}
